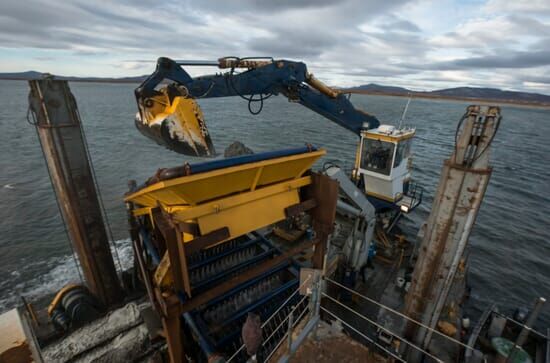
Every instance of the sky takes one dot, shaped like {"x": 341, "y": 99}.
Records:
{"x": 419, "y": 44}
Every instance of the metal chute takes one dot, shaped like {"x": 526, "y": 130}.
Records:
{"x": 176, "y": 122}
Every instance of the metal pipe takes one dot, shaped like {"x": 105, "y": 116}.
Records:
{"x": 522, "y": 337}
{"x": 320, "y": 86}
{"x": 190, "y": 62}
{"x": 349, "y": 209}
{"x": 203, "y": 342}
{"x": 300, "y": 339}
{"x": 289, "y": 330}
{"x": 404, "y": 112}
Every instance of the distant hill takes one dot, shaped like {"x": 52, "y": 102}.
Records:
{"x": 25, "y": 76}
{"x": 458, "y": 93}
{"x": 461, "y": 93}
{"x": 373, "y": 87}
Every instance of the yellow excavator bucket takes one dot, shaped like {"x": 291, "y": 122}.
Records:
{"x": 176, "y": 122}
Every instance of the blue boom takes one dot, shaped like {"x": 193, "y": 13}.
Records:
{"x": 261, "y": 79}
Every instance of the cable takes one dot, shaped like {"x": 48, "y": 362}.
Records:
{"x": 251, "y": 99}
{"x": 212, "y": 83}
{"x": 497, "y": 121}
{"x": 401, "y": 315}
{"x": 96, "y": 183}
{"x": 383, "y": 328}
{"x": 464, "y": 117}
{"x": 272, "y": 315}
{"x": 235, "y": 354}
{"x": 276, "y": 347}
{"x": 32, "y": 123}
{"x": 364, "y": 336}
{"x": 287, "y": 300}
{"x": 547, "y": 337}
{"x": 286, "y": 334}
{"x": 283, "y": 321}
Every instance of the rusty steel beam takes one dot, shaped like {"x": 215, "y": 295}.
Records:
{"x": 296, "y": 209}
{"x": 324, "y": 191}
{"x": 63, "y": 144}
{"x": 170, "y": 236}
{"x": 464, "y": 179}
{"x": 172, "y": 330}
{"x": 182, "y": 240}
{"x": 207, "y": 240}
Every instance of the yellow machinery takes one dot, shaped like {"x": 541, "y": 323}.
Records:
{"x": 170, "y": 115}
{"x": 202, "y": 209}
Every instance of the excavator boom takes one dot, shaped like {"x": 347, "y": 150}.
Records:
{"x": 171, "y": 116}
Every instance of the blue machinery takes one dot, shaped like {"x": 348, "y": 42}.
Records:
{"x": 204, "y": 265}
{"x": 160, "y": 110}
{"x": 170, "y": 115}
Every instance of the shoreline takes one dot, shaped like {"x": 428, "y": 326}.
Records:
{"x": 487, "y": 101}
{"x": 79, "y": 80}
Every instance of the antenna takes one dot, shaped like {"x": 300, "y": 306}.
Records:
{"x": 404, "y": 111}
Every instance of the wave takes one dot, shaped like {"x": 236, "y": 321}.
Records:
{"x": 60, "y": 271}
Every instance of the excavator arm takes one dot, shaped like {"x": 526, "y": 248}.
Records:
{"x": 171, "y": 116}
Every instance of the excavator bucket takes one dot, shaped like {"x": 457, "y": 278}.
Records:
{"x": 176, "y": 122}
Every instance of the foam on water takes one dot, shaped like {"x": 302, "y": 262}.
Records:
{"x": 61, "y": 271}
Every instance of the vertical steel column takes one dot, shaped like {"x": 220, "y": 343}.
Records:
{"x": 64, "y": 148}
{"x": 324, "y": 190}
{"x": 464, "y": 178}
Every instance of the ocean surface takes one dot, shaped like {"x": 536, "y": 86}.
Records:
{"x": 509, "y": 246}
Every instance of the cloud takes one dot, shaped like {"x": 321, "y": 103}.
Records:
{"x": 399, "y": 42}
{"x": 263, "y": 5}
{"x": 539, "y": 7}
{"x": 501, "y": 59}
{"x": 492, "y": 31}
{"x": 402, "y": 25}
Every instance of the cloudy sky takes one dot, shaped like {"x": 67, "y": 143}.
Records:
{"x": 421, "y": 44}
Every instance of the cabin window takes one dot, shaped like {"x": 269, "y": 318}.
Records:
{"x": 377, "y": 156}
{"x": 403, "y": 152}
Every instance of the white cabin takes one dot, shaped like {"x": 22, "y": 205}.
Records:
{"x": 384, "y": 162}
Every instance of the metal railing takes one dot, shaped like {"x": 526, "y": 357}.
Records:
{"x": 406, "y": 317}
{"x": 379, "y": 327}
{"x": 280, "y": 323}
{"x": 282, "y": 328}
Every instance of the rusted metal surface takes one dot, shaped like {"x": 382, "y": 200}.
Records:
{"x": 324, "y": 190}
{"x": 53, "y": 105}
{"x": 241, "y": 63}
{"x": 171, "y": 240}
{"x": 182, "y": 241}
{"x": 320, "y": 86}
{"x": 464, "y": 179}
{"x": 207, "y": 240}
{"x": 171, "y": 323}
{"x": 296, "y": 209}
